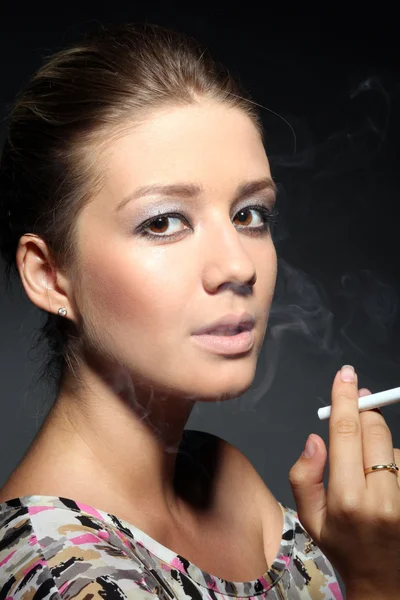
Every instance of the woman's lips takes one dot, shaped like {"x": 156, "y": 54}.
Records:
{"x": 244, "y": 320}
{"x": 226, "y": 344}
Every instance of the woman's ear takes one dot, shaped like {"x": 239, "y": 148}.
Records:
{"x": 44, "y": 284}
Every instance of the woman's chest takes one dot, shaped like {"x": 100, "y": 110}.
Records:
{"x": 228, "y": 536}
{"x": 234, "y": 552}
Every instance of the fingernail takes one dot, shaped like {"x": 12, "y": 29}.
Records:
{"x": 347, "y": 373}
{"x": 310, "y": 448}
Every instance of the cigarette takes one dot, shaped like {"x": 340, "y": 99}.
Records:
{"x": 367, "y": 402}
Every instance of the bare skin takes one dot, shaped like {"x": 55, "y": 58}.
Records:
{"x": 112, "y": 443}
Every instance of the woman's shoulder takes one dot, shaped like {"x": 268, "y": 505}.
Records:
{"x": 49, "y": 554}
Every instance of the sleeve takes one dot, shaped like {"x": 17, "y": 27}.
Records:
{"x": 71, "y": 566}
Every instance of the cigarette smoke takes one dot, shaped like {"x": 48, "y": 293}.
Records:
{"x": 302, "y": 308}
{"x": 342, "y": 139}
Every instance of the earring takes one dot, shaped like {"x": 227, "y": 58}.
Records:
{"x": 62, "y": 312}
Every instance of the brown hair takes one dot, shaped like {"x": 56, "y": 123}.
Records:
{"x": 79, "y": 98}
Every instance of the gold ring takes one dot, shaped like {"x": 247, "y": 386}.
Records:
{"x": 390, "y": 467}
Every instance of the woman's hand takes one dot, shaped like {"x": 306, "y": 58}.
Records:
{"x": 356, "y": 522}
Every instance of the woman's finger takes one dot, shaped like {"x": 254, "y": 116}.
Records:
{"x": 378, "y": 450}
{"x": 367, "y": 392}
{"x": 346, "y": 463}
{"x": 397, "y": 461}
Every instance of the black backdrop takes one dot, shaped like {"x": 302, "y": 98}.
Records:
{"x": 334, "y": 81}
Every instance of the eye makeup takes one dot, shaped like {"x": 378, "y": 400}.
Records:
{"x": 267, "y": 215}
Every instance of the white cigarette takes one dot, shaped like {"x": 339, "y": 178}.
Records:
{"x": 367, "y": 402}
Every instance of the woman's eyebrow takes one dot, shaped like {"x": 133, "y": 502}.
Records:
{"x": 189, "y": 190}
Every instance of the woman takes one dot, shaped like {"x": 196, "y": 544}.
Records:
{"x": 136, "y": 198}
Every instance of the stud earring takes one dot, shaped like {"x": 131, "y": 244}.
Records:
{"x": 62, "y": 312}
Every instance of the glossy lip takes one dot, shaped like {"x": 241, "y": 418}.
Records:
{"x": 245, "y": 320}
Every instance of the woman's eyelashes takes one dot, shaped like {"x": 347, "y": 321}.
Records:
{"x": 160, "y": 223}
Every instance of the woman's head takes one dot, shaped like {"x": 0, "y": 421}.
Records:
{"x": 134, "y": 106}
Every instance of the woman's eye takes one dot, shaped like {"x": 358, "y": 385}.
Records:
{"x": 157, "y": 228}
{"x": 160, "y": 225}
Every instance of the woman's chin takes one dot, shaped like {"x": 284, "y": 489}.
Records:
{"x": 220, "y": 393}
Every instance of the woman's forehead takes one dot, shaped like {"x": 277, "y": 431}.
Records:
{"x": 188, "y": 143}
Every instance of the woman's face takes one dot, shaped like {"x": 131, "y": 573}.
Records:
{"x": 144, "y": 297}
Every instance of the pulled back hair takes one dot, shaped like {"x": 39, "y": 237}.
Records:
{"x": 76, "y": 102}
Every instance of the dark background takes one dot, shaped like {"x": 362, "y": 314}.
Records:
{"x": 334, "y": 81}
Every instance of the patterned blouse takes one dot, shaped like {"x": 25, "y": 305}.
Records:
{"x": 53, "y": 547}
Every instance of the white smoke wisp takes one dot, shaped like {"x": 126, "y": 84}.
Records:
{"x": 364, "y": 112}
{"x": 300, "y": 307}
{"x": 374, "y": 306}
